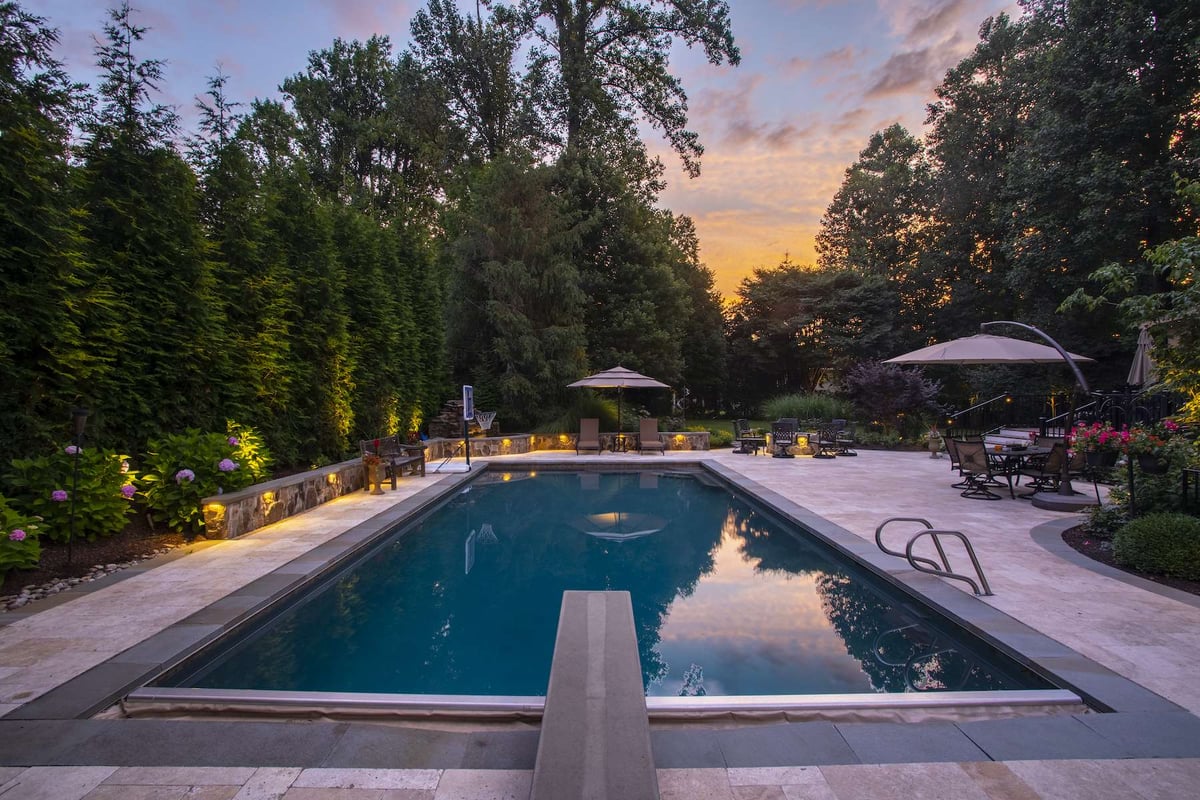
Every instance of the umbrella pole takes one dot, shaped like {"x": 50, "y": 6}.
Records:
{"x": 619, "y": 431}
{"x": 1064, "y": 480}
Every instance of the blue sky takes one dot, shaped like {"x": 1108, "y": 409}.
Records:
{"x": 817, "y": 78}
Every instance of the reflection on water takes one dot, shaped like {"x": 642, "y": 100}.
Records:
{"x": 725, "y": 602}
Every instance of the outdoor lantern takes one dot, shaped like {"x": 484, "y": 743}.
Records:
{"x": 79, "y": 415}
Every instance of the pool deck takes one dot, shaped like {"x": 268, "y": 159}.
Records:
{"x": 58, "y": 654}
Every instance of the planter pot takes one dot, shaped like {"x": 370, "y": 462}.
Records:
{"x": 374, "y": 478}
{"x": 1101, "y": 459}
{"x": 1152, "y": 464}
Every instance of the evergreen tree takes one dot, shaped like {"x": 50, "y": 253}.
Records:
{"x": 517, "y": 315}
{"x": 164, "y": 331}
{"x": 45, "y": 365}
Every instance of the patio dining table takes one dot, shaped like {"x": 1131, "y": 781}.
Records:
{"x": 1010, "y": 461}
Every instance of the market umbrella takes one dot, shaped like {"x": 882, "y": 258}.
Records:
{"x": 620, "y": 379}
{"x": 983, "y": 348}
{"x": 1141, "y": 372}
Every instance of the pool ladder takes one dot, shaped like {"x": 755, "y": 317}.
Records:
{"x": 922, "y": 564}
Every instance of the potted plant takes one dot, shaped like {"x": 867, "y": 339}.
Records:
{"x": 1148, "y": 446}
{"x": 373, "y": 464}
{"x": 1100, "y": 443}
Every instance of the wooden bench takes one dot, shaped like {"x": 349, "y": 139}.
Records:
{"x": 395, "y": 456}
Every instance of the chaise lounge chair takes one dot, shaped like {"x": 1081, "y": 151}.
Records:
{"x": 589, "y": 435}
{"x": 649, "y": 438}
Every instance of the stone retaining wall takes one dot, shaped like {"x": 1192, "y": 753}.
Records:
{"x": 236, "y": 513}
{"x": 439, "y": 449}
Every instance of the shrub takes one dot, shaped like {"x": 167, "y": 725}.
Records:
{"x": 822, "y": 407}
{"x": 19, "y": 547}
{"x": 717, "y": 437}
{"x": 892, "y": 396}
{"x": 183, "y": 469}
{"x": 1164, "y": 544}
{"x": 1105, "y": 520}
{"x": 42, "y": 487}
{"x": 586, "y": 405}
{"x": 249, "y": 452}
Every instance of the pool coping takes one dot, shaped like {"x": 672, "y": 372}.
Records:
{"x": 56, "y": 729}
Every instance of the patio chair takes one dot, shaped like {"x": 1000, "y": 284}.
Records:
{"x": 1044, "y": 472}
{"x": 955, "y": 464}
{"x": 741, "y": 437}
{"x": 783, "y": 436}
{"x": 827, "y": 443}
{"x": 589, "y": 435}
{"x": 844, "y": 437}
{"x": 976, "y": 470}
{"x": 649, "y": 438}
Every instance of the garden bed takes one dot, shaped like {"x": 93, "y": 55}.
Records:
{"x": 1100, "y": 550}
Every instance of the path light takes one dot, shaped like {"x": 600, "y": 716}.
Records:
{"x": 79, "y": 418}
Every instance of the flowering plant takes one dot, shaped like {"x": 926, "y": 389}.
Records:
{"x": 371, "y": 460}
{"x": 1142, "y": 441}
{"x": 187, "y": 467}
{"x": 1097, "y": 436}
{"x": 86, "y": 480}
{"x": 19, "y": 548}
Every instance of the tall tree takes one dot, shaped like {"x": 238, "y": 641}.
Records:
{"x": 472, "y": 59}
{"x": 609, "y": 62}
{"x": 791, "y": 328}
{"x": 45, "y": 364}
{"x": 166, "y": 331}
{"x": 1114, "y": 116}
{"x": 517, "y": 309}
{"x": 879, "y": 221}
{"x": 703, "y": 346}
{"x": 976, "y": 128}
{"x": 372, "y": 127}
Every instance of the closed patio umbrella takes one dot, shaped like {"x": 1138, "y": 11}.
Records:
{"x": 618, "y": 378}
{"x": 1141, "y": 372}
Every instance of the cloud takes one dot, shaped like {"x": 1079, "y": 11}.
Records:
{"x": 732, "y": 115}
{"x": 917, "y": 71}
{"x": 362, "y": 19}
{"x": 824, "y": 64}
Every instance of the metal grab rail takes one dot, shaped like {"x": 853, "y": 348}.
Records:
{"x": 1006, "y": 397}
{"x": 927, "y": 565}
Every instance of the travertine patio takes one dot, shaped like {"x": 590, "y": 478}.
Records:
{"x": 1148, "y": 636}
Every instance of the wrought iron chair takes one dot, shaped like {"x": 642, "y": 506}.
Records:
{"x": 844, "y": 437}
{"x": 827, "y": 443}
{"x": 783, "y": 436}
{"x": 746, "y": 442}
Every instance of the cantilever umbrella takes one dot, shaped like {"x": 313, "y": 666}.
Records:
{"x": 618, "y": 378}
{"x": 983, "y": 348}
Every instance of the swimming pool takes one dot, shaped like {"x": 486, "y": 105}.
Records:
{"x": 728, "y": 601}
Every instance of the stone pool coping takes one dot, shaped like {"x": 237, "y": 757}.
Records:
{"x": 49, "y": 730}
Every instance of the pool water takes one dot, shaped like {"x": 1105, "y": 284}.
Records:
{"x": 726, "y": 601}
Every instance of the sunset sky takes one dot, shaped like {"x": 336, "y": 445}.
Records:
{"x": 817, "y": 78}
